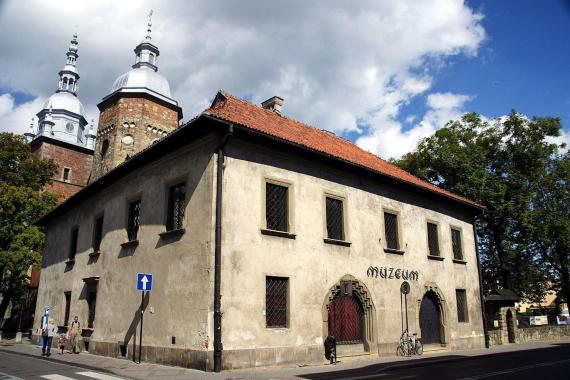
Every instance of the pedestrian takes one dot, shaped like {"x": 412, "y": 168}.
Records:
{"x": 75, "y": 335}
{"x": 61, "y": 343}
{"x": 48, "y": 333}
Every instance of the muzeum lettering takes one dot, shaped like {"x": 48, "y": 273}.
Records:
{"x": 392, "y": 273}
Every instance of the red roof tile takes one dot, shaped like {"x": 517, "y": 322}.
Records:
{"x": 229, "y": 108}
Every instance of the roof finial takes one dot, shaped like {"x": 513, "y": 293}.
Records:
{"x": 149, "y": 29}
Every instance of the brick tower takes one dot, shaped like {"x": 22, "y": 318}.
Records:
{"x": 138, "y": 111}
{"x": 61, "y": 133}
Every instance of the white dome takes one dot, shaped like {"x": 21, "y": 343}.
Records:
{"x": 143, "y": 77}
{"x": 64, "y": 101}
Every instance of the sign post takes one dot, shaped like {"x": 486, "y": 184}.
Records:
{"x": 405, "y": 289}
{"x": 144, "y": 284}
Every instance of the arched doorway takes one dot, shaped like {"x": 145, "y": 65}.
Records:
{"x": 349, "y": 314}
{"x": 510, "y": 326}
{"x": 430, "y": 319}
{"x": 346, "y": 318}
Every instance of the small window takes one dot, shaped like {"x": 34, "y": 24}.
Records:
{"x": 67, "y": 296}
{"x": 98, "y": 233}
{"x": 66, "y": 172}
{"x": 433, "y": 239}
{"x": 134, "y": 220}
{"x": 91, "y": 304}
{"x": 276, "y": 207}
{"x": 151, "y": 58}
{"x": 456, "y": 243}
{"x": 391, "y": 230}
{"x": 462, "y": 312}
{"x": 176, "y": 203}
{"x": 276, "y": 301}
{"x": 104, "y": 147}
{"x": 73, "y": 243}
{"x": 335, "y": 218}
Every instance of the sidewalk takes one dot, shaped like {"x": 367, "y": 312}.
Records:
{"x": 144, "y": 371}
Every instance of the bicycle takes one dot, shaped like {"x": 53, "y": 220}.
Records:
{"x": 409, "y": 345}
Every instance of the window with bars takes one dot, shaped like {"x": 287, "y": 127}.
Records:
{"x": 462, "y": 311}
{"x": 176, "y": 204}
{"x": 276, "y": 301}
{"x": 67, "y": 308}
{"x": 276, "y": 207}
{"x": 134, "y": 220}
{"x": 66, "y": 172}
{"x": 91, "y": 304}
{"x": 433, "y": 239}
{"x": 456, "y": 244}
{"x": 335, "y": 218}
{"x": 98, "y": 233}
{"x": 73, "y": 243}
{"x": 391, "y": 230}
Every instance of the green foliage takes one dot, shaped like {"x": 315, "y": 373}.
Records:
{"x": 22, "y": 175}
{"x": 499, "y": 164}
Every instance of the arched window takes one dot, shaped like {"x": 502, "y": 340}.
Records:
{"x": 151, "y": 58}
{"x": 104, "y": 147}
{"x": 65, "y": 83}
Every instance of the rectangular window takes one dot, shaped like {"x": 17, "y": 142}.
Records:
{"x": 462, "y": 312}
{"x": 276, "y": 301}
{"x": 66, "y": 172}
{"x": 67, "y": 308}
{"x": 335, "y": 218}
{"x": 391, "y": 230}
{"x": 73, "y": 243}
{"x": 97, "y": 233}
{"x": 134, "y": 220}
{"x": 176, "y": 200}
{"x": 91, "y": 303}
{"x": 456, "y": 244}
{"x": 276, "y": 207}
{"x": 433, "y": 239}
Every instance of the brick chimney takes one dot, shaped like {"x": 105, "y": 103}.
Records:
{"x": 274, "y": 104}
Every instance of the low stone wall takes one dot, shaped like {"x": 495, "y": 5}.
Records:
{"x": 528, "y": 334}
{"x": 495, "y": 337}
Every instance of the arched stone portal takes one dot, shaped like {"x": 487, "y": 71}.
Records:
{"x": 510, "y": 327}
{"x": 432, "y": 316}
{"x": 349, "y": 314}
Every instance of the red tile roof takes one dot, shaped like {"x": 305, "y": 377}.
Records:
{"x": 229, "y": 108}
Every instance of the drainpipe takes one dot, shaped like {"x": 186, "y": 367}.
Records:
{"x": 218, "y": 347}
{"x": 484, "y": 315}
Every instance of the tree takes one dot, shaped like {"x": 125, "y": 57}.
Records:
{"x": 498, "y": 164}
{"x": 22, "y": 175}
{"x": 552, "y": 221}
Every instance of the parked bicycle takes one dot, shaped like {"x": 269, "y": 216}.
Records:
{"x": 409, "y": 345}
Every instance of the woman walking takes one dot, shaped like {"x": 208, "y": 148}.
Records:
{"x": 48, "y": 333}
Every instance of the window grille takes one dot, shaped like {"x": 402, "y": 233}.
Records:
{"x": 66, "y": 174}
{"x": 98, "y": 233}
{"x": 391, "y": 230}
{"x": 456, "y": 243}
{"x": 67, "y": 308}
{"x": 276, "y": 301}
{"x": 73, "y": 243}
{"x": 276, "y": 207}
{"x": 433, "y": 239}
{"x": 462, "y": 312}
{"x": 91, "y": 303}
{"x": 134, "y": 220}
{"x": 335, "y": 219}
{"x": 176, "y": 200}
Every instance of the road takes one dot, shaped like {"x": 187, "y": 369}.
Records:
{"x": 544, "y": 364}
{"x": 15, "y": 367}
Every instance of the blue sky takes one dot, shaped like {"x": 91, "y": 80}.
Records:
{"x": 523, "y": 64}
{"x": 382, "y": 73}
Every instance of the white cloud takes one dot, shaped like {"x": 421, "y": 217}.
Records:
{"x": 335, "y": 62}
{"x": 17, "y": 118}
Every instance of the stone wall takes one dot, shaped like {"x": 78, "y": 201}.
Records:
{"x": 529, "y": 334}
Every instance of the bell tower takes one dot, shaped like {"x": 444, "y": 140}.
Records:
{"x": 138, "y": 112}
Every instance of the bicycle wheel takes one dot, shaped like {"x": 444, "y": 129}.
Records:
{"x": 402, "y": 350}
{"x": 419, "y": 347}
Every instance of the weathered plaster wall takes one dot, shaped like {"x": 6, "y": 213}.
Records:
{"x": 314, "y": 267}
{"x": 180, "y": 303}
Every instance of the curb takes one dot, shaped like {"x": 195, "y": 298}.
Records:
{"x": 59, "y": 361}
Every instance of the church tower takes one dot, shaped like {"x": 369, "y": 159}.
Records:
{"x": 138, "y": 111}
{"x": 62, "y": 133}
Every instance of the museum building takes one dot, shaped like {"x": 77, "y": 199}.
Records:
{"x": 264, "y": 236}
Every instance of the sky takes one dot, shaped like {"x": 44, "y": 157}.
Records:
{"x": 381, "y": 73}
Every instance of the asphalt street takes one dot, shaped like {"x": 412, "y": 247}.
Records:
{"x": 545, "y": 364}
{"x": 15, "y": 367}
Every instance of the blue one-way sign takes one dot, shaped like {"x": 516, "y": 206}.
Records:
{"x": 144, "y": 281}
